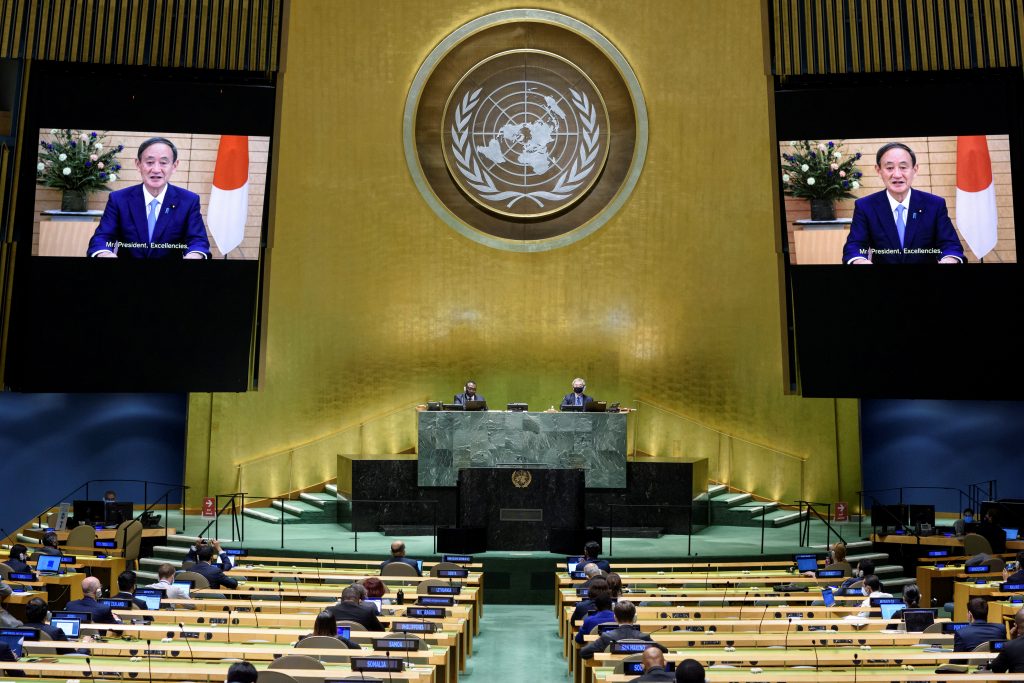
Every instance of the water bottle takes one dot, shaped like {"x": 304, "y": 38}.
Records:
{"x": 400, "y": 598}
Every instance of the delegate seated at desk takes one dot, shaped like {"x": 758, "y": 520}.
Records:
{"x": 577, "y": 397}
{"x": 468, "y": 394}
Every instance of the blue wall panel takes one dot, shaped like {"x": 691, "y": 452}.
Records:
{"x": 52, "y": 443}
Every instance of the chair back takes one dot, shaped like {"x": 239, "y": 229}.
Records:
{"x": 443, "y": 565}
{"x": 423, "y": 587}
{"x": 996, "y": 564}
{"x": 304, "y": 662}
{"x": 130, "y": 535}
{"x": 845, "y": 566}
{"x": 5, "y": 571}
{"x": 325, "y": 643}
{"x": 398, "y": 569}
{"x": 43, "y": 636}
{"x": 975, "y": 544}
{"x": 270, "y": 676}
{"x": 352, "y": 625}
{"x": 82, "y": 536}
{"x": 200, "y": 580}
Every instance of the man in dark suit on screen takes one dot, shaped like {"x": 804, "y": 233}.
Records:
{"x": 155, "y": 219}
{"x": 900, "y": 225}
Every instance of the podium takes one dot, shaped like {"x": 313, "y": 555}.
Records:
{"x": 521, "y": 509}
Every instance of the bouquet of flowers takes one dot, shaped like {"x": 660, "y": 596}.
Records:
{"x": 819, "y": 170}
{"x": 77, "y": 162}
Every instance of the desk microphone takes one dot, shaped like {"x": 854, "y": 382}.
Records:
{"x": 252, "y": 607}
{"x": 229, "y": 624}
{"x": 191, "y": 655}
{"x": 785, "y": 641}
{"x": 280, "y": 595}
{"x": 764, "y": 614}
{"x": 743, "y": 604}
{"x": 88, "y": 663}
{"x": 149, "y": 659}
{"x": 856, "y": 665}
{"x": 318, "y": 579}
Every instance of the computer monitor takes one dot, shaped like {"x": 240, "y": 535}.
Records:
{"x": 70, "y": 627}
{"x": 151, "y": 596}
{"x": 570, "y": 408}
{"x": 1011, "y": 534}
{"x": 596, "y": 407}
{"x": 891, "y": 608}
{"x": 419, "y": 566}
{"x": 118, "y": 512}
{"x": 48, "y": 564}
{"x": 452, "y": 406}
{"x": 84, "y": 617}
{"x": 921, "y": 514}
{"x": 475, "y": 405}
{"x": 889, "y": 516}
{"x": 15, "y": 637}
{"x": 806, "y": 562}
{"x": 918, "y": 620}
{"x": 571, "y": 561}
{"x": 89, "y": 511}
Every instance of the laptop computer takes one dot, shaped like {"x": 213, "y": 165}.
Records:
{"x": 376, "y": 602}
{"x": 1011, "y": 534}
{"x": 84, "y": 617}
{"x": 48, "y": 565}
{"x": 806, "y": 562}
{"x": 15, "y": 638}
{"x": 70, "y": 627}
{"x": 185, "y": 586}
{"x": 596, "y": 407}
{"x": 918, "y": 620}
{"x": 891, "y": 608}
{"x": 151, "y": 596}
{"x": 828, "y": 597}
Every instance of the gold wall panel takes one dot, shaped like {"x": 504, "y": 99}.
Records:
{"x": 374, "y": 304}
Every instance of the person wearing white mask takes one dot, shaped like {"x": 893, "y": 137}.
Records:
{"x": 872, "y": 589}
{"x": 18, "y": 561}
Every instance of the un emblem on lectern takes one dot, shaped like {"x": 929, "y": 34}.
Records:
{"x": 525, "y": 133}
{"x": 522, "y": 479}
{"x": 525, "y": 130}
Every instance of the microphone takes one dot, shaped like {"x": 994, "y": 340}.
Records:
{"x": 149, "y": 659}
{"x": 856, "y": 665}
{"x": 318, "y": 579}
{"x": 785, "y": 641}
{"x": 280, "y": 594}
{"x": 252, "y": 608}
{"x": 764, "y": 614}
{"x": 229, "y": 624}
{"x": 88, "y": 663}
{"x": 191, "y": 655}
{"x": 743, "y": 604}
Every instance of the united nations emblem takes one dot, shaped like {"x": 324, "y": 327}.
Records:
{"x": 525, "y": 133}
{"x": 525, "y": 130}
{"x": 522, "y": 479}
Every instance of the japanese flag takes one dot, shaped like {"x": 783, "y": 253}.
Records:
{"x": 229, "y": 196}
{"x": 975, "y": 194}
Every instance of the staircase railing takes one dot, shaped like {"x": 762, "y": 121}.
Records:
{"x": 71, "y": 496}
{"x": 972, "y": 498}
{"x": 804, "y": 526}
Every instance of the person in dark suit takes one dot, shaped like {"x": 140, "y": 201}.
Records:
{"x": 18, "y": 559}
{"x": 689, "y": 671}
{"x": 154, "y": 219}
{"x": 625, "y": 615}
{"x": 241, "y": 672}
{"x": 989, "y": 528}
{"x": 36, "y": 617}
{"x": 349, "y": 609}
{"x": 1017, "y": 576}
{"x": 49, "y": 547}
{"x": 214, "y": 574}
{"x": 654, "y": 667}
{"x": 126, "y": 586}
{"x": 468, "y": 394}
{"x": 602, "y": 614}
{"x": 900, "y": 225}
{"x": 978, "y": 630}
{"x": 398, "y": 555}
{"x": 591, "y": 553}
{"x": 220, "y": 558}
{"x": 1011, "y": 659}
{"x": 92, "y": 590}
{"x": 577, "y": 397}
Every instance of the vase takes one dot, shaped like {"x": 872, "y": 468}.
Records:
{"x": 823, "y": 210}
{"x": 73, "y": 200}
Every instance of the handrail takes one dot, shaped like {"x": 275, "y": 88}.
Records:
{"x": 145, "y": 495}
{"x": 355, "y": 530}
{"x": 973, "y": 500}
{"x": 888, "y": 512}
{"x": 829, "y": 529}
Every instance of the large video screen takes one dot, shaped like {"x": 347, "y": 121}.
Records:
{"x": 140, "y": 229}
{"x": 898, "y": 233}
{"x": 956, "y": 192}
{"x": 93, "y": 189}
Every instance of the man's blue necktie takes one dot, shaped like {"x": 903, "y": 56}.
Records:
{"x": 152, "y": 215}
{"x": 579, "y": 400}
{"x": 901, "y": 227}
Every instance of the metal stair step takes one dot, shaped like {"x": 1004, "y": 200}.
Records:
{"x": 143, "y": 577}
{"x": 885, "y": 569}
{"x": 895, "y": 584}
{"x": 755, "y": 507}
{"x": 713, "y": 491}
{"x": 294, "y": 507}
{"x": 783, "y": 517}
{"x": 154, "y": 562}
{"x": 178, "y": 551}
{"x": 318, "y": 500}
{"x": 264, "y": 515}
{"x": 731, "y": 499}
{"x": 874, "y": 557}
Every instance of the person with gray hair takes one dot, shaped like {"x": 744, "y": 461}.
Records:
{"x": 577, "y": 398}
{"x": 398, "y": 555}
{"x": 350, "y": 609}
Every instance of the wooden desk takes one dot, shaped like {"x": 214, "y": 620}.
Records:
{"x": 938, "y": 583}
{"x": 101, "y": 534}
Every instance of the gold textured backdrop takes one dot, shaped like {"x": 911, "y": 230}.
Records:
{"x": 374, "y": 304}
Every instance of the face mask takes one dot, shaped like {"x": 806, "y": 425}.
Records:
{"x": 22, "y": 557}
{"x": 578, "y": 390}
{"x": 968, "y": 519}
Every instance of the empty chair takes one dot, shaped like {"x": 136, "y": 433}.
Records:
{"x": 423, "y": 588}
{"x": 129, "y": 540}
{"x": 976, "y": 544}
{"x": 82, "y": 536}
{"x": 269, "y": 676}
{"x": 200, "y": 580}
{"x": 187, "y": 564}
{"x": 297, "y": 662}
{"x": 443, "y": 565}
{"x": 996, "y": 564}
{"x": 325, "y": 643}
{"x": 352, "y": 625}
{"x": 398, "y": 569}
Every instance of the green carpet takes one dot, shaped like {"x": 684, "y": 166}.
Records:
{"x": 517, "y": 643}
